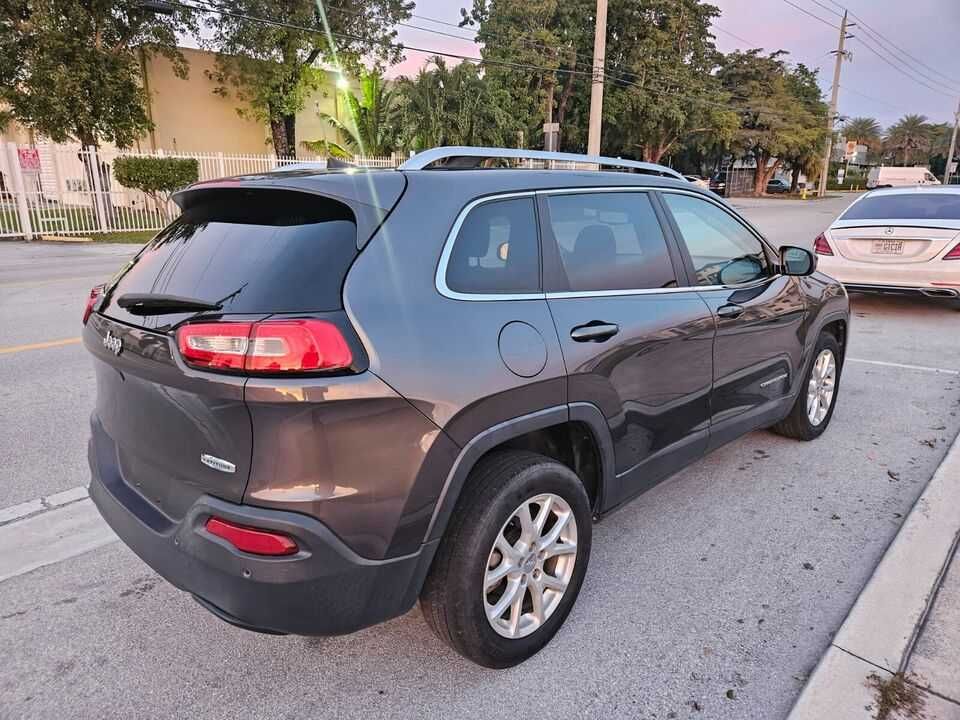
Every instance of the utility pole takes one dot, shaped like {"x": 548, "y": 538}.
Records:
{"x": 953, "y": 144}
{"x": 832, "y": 115}
{"x": 596, "y": 89}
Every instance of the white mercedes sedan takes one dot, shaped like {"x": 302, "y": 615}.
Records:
{"x": 898, "y": 240}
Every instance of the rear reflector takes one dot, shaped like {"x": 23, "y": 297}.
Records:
{"x": 252, "y": 540}
{"x": 953, "y": 254}
{"x": 272, "y": 346}
{"x": 821, "y": 246}
{"x": 92, "y": 298}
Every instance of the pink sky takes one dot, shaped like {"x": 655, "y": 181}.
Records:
{"x": 926, "y": 29}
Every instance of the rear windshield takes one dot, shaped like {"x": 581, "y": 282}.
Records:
{"x": 908, "y": 206}
{"x": 253, "y": 251}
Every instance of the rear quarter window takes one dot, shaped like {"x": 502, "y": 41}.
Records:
{"x": 496, "y": 250}
{"x": 254, "y": 251}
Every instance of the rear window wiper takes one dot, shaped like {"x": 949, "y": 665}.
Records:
{"x": 159, "y": 304}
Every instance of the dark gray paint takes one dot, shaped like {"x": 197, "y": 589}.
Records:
{"x": 378, "y": 458}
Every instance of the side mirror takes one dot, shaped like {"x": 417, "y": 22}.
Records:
{"x": 741, "y": 270}
{"x": 797, "y": 261}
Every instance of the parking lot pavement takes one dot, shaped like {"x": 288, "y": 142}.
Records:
{"x": 793, "y": 222}
{"x": 713, "y": 595}
{"x": 46, "y": 393}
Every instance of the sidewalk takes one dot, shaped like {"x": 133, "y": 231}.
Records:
{"x": 897, "y": 655}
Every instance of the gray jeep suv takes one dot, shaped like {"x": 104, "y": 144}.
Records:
{"x": 324, "y": 395}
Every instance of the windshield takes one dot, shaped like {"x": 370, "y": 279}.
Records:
{"x": 906, "y": 206}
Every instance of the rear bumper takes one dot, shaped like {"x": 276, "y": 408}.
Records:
{"x": 324, "y": 589}
{"x": 934, "y": 278}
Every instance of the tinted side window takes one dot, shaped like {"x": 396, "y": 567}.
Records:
{"x": 610, "y": 241}
{"x": 723, "y": 251}
{"x": 497, "y": 250}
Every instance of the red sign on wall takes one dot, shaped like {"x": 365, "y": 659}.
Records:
{"x": 29, "y": 158}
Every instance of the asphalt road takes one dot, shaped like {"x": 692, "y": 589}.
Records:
{"x": 713, "y": 595}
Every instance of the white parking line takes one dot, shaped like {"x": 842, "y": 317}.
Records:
{"x": 905, "y": 366}
{"x": 50, "y": 537}
{"x": 42, "y": 504}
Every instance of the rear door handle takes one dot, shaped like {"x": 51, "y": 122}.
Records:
{"x": 730, "y": 311}
{"x": 595, "y": 331}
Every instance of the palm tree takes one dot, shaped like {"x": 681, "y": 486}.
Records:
{"x": 863, "y": 131}
{"x": 909, "y": 135}
{"x": 452, "y": 106}
{"x": 370, "y": 123}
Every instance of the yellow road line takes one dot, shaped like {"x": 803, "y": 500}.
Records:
{"x": 38, "y": 346}
{"x": 49, "y": 281}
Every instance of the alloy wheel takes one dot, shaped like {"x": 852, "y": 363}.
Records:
{"x": 530, "y": 565}
{"x": 820, "y": 388}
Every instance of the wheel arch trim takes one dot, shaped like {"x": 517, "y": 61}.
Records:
{"x": 485, "y": 441}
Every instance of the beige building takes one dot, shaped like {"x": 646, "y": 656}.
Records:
{"x": 189, "y": 117}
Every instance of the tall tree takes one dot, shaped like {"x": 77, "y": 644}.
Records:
{"x": 909, "y": 138}
{"x": 804, "y": 153}
{"x": 370, "y": 123}
{"x": 774, "y": 122}
{"x": 663, "y": 91}
{"x": 660, "y": 91}
{"x": 70, "y": 69}
{"x": 272, "y": 68}
{"x": 443, "y": 106}
{"x": 546, "y": 46}
{"x": 940, "y": 134}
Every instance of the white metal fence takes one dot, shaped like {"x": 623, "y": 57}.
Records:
{"x": 53, "y": 189}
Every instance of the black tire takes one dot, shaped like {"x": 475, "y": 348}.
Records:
{"x": 797, "y": 424}
{"x": 452, "y": 599}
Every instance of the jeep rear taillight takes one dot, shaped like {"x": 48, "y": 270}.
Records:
{"x": 271, "y": 346}
{"x": 821, "y": 246}
{"x": 220, "y": 346}
{"x": 92, "y": 298}
{"x": 953, "y": 254}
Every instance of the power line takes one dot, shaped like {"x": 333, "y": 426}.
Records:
{"x": 870, "y": 97}
{"x": 827, "y": 8}
{"x": 899, "y": 69}
{"x": 814, "y": 16}
{"x": 805, "y": 61}
{"x": 735, "y": 36}
{"x": 907, "y": 64}
{"x": 612, "y": 77}
{"x": 556, "y": 49}
{"x": 880, "y": 38}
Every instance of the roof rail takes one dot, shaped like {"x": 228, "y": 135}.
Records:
{"x": 423, "y": 160}
{"x": 306, "y": 165}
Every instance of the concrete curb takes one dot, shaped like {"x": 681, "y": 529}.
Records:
{"x": 880, "y": 629}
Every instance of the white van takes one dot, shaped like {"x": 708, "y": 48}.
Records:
{"x": 899, "y": 176}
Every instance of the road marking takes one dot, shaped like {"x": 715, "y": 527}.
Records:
{"x": 52, "y": 537}
{"x": 42, "y": 504}
{"x": 38, "y": 346}
{"x": 50, "y": 281}
{"x": 905, "y": 366}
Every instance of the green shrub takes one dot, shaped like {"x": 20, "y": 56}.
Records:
{"x": 158, "y": 177}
